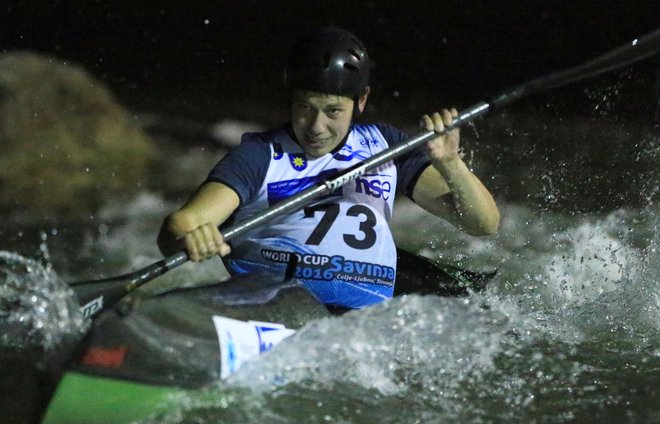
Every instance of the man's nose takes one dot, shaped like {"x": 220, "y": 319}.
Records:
{"x": 317, "y": 124}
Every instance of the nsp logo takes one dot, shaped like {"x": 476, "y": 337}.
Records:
{"x": 373, "y": 187}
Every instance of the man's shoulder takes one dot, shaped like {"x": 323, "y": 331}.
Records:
{"x": 264, "y": 137}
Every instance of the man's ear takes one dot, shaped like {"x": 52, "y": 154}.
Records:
{"x": 362, "y": 100}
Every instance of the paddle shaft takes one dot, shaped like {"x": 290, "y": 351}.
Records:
{"x": 629, "y": 53}
{"x": 95, "y": 302}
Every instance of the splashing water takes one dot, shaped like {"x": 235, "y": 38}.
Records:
{"x": 414, "y": 351}
{"x": 568, "y": 330}
{"x": 40, "y": 328}
{"x": 37, "y": 309}
{"x": 385, "y": 345}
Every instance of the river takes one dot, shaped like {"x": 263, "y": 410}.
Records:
{"x": 568, "y": 330}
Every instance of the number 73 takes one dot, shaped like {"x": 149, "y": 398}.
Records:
{"x": 331, "y": 212}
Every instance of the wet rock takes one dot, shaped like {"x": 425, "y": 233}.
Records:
{"x": 67, "y": 144}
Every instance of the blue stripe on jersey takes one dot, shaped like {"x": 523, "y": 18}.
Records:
{"x": 281, "y": 190}
{"x": 354, "y": 154}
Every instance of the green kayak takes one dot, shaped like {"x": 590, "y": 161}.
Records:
{"x": 139, "y": 355}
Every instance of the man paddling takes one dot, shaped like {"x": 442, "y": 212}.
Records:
{"x": 340, "y": 247}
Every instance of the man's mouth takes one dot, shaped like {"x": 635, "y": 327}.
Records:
{"x": 316, "y": 141}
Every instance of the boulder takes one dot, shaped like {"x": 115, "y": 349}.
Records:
{"x": 67, "y": 144}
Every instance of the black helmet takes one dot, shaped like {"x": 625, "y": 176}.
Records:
{"x": 329, "y": 60}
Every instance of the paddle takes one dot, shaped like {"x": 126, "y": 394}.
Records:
{"x": 99, "y": 295}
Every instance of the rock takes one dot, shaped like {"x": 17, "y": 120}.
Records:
{"x": 67, "y": 144}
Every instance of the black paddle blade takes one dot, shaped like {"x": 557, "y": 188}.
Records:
{"x": 100, "y": 296}
{"x": 97, "y": 296}
{"x": 420, "y": 275}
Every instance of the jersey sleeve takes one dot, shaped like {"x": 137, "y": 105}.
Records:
{"x": 410, "y": 165}
{"x": 244, "y": 167}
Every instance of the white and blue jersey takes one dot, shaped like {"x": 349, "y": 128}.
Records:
{"x": 340, "y": 247}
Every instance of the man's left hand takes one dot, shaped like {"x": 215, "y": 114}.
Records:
{"x": 443, "y": 148}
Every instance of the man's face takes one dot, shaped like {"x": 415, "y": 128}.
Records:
{"x": 320, "y": 121}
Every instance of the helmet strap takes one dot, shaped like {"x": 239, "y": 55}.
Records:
{"x": 356, "y": 108}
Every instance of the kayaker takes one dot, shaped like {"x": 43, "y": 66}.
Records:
{"x": 340, "y": 247}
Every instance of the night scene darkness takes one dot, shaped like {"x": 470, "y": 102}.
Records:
{"x": 193, "y": 57}
{"x": 563, "y": 328}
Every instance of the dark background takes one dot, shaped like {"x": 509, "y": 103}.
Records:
{"x": 213, "y": 59}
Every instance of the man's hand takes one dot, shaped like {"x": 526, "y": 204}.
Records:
{"x": 448, "y": 188}
{"x": 205, "y": 242}
{"x": 194, "y": 227}
{"x": 443, "y": 148}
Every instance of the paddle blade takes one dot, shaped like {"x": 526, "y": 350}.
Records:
{"x": 97, "y": 296}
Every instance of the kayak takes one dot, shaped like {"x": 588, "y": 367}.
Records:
{"x": 147, "y": 350}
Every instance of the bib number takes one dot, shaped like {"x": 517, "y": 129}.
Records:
{"x": 364, "y": 240}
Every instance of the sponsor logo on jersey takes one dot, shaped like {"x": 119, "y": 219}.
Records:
{"x": 366, "y": 142}
{"x": 298, "y": 258}
{"x": 338, "y": 268}
{"x": 372, "y": 186}
{"x": 362, "y": 272}
{"x": 298, "y": 161}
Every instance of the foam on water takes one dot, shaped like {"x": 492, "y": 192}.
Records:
{"x": 38, "y": 310}
{"x": 385, "y": 347}
{"x": 593, "y": 280}
{"x": 423, "y": 350}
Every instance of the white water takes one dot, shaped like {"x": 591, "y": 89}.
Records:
{"x": 37, "y": 310}
{"x": 567, "y": 331}
{"x": 570, "y": 322}
{"x": 574, "y": 309}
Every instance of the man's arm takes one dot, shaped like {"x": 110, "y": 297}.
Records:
{"x": 194, "y": 227}
{"x": 448, "y": 189}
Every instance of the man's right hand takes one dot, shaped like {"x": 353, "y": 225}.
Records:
{"x": 194, "y": 227}
{"x": 205, "y": 242}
